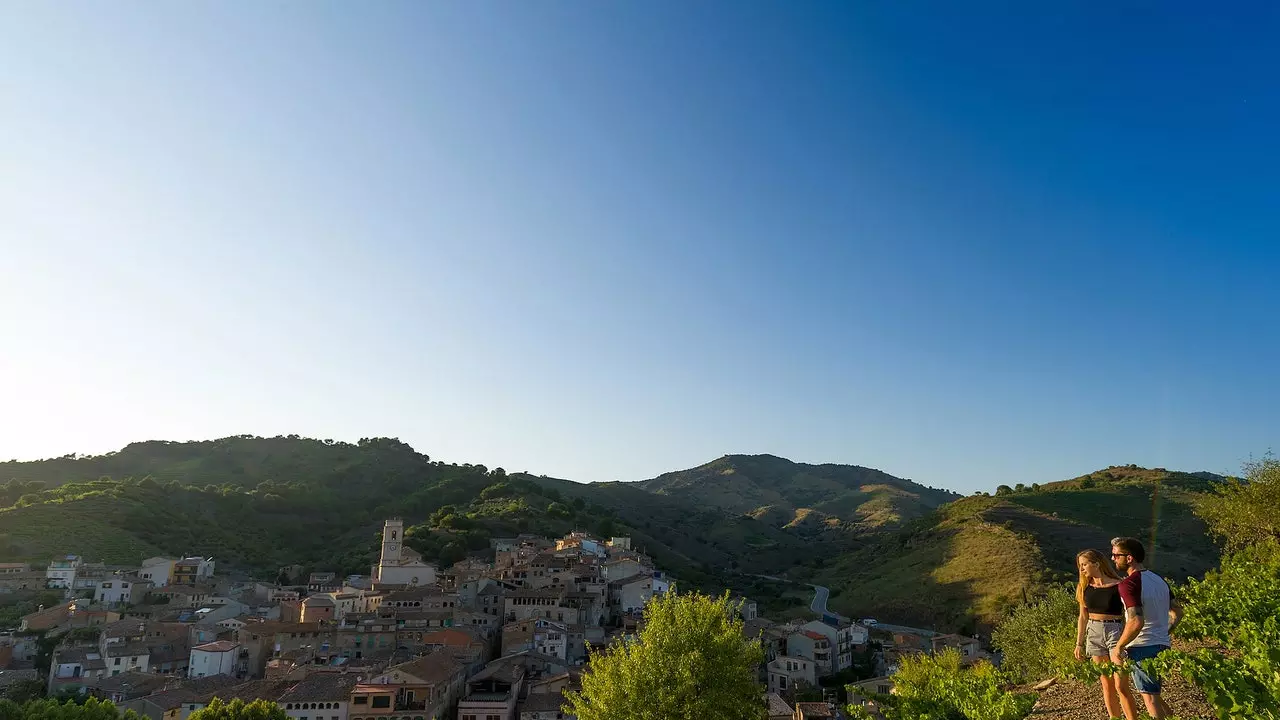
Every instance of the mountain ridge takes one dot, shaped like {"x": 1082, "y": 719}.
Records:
{"x": 855, "y": 496}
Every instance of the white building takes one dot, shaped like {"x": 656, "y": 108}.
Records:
{"x": 120, "y": 590}
{"x": 215, "y": 658}
{"x": 399, "y": 565}
{"x": 786, "y": 672}
{"x": 62, "y": 571}
{"x": 159, "y": 570}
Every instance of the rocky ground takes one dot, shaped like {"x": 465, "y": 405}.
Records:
{"x": 1071, "y": 700}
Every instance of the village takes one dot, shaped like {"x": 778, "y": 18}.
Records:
{"x": 480, "y": 640}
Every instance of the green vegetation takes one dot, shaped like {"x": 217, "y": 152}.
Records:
{"x": 50, "y": 709}
{"x": 967, "y": 565}
{"x": 690, "y": 661}
{"x": 1037, "y": 639}
{"x": 940, "y": 687}
{"x": 1232, "y": 616}
{"x": 1246, "y": 512}
{"x": 778, "y": 489}
{"x": 257, "y": 504}
{"x": 240, "y": 710}
{"x": 887, "y": 547}
{"x": 14, "y": 605}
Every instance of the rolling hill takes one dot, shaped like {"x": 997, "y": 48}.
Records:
{"x": 966, "y": 564}
{"x": 785, "y": 493}
{"x": 887, "y": 547}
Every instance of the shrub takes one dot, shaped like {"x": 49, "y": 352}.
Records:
{"x": 940, "y": 687}
{"x": 1038, "y": 638}
{"x": 1004, "y": 490}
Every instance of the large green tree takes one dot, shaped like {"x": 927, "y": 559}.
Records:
{"x": 240, "y": 710}
{"x": 690, "y": 661}
{"x": 1246, "y": 512}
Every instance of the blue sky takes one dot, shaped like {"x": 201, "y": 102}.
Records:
{"x": 965, "y": 243}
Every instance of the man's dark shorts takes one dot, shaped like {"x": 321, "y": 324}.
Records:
{"x": 1144, "y": 681}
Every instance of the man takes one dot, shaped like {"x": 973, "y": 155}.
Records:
{"x": 1150, "y": 614}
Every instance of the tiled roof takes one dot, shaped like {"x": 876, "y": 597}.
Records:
{"x": 127, "y": 649}
{"x": 508, "y": 670}
{"x": 196, "y": 691}
{"x": 631, "y": 579}
{"x": 321, "y": 686}
{"x": 125, "y": 628}
{"x": 814, "y": 709}
{"x": 777, "y": 706}
{"x": 434, "y": 668}
{"x": 219, "y": 646}
{"x": 136, "y": 682}
{"x": 255, "y": 690}
{"x": 541, "y": 702}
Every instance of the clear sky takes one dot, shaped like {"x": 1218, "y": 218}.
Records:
{"x": 966, "y": 243}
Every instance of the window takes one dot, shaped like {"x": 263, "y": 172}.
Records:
{"x": 360, "y": 700}
{"x": 117, "y": 662}
{"x": 381, "y": 701}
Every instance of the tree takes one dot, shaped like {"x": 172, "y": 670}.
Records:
{"x": 23, "y": 690}
{"x": 605, "y": 527}
{"x": 1243, "y": 512}
{"x": 1020, "y": 487}
{"x": 690, "y": 660}
{"x": 240, "y": 710}
{"x": 1004, "y": 490}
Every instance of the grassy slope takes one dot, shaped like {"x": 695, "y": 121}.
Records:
{"x": 963, "y": 567}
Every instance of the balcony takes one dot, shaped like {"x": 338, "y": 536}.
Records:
{"x": 407, "y": 705}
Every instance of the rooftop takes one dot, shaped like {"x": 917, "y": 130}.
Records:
{"x": 814, "y": 710}
{"x": 219, "y": 646}
{"x": 433, "y": 668}
{"x": 631, "y": 579}
{"x": 321, "y": 686}
{"x": 541, "y": 702}
{"x": 777, "y": 706}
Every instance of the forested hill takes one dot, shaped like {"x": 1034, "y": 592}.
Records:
{"x": 886, "y": 547}
{"x": 259, "y": 503}
{"x": 783, "y": 492}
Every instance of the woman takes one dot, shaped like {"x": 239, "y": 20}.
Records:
{"x": 1099, "y": 626}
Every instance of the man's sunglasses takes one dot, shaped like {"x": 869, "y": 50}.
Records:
{"x": 1116, "y": 555}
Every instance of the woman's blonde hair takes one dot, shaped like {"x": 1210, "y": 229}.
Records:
{"x": 1104, "y": 568}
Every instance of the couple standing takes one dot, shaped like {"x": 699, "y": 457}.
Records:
{"x": 1126, "y": 613}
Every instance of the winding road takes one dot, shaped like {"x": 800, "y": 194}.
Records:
{"x": 820, "y": 595}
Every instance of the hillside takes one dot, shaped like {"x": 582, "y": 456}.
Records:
{"x": 259, "y": 503}
{"x": 963, "y": 566}
{"x": 784, "y": 493}
{"x": 887, "y": 547}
